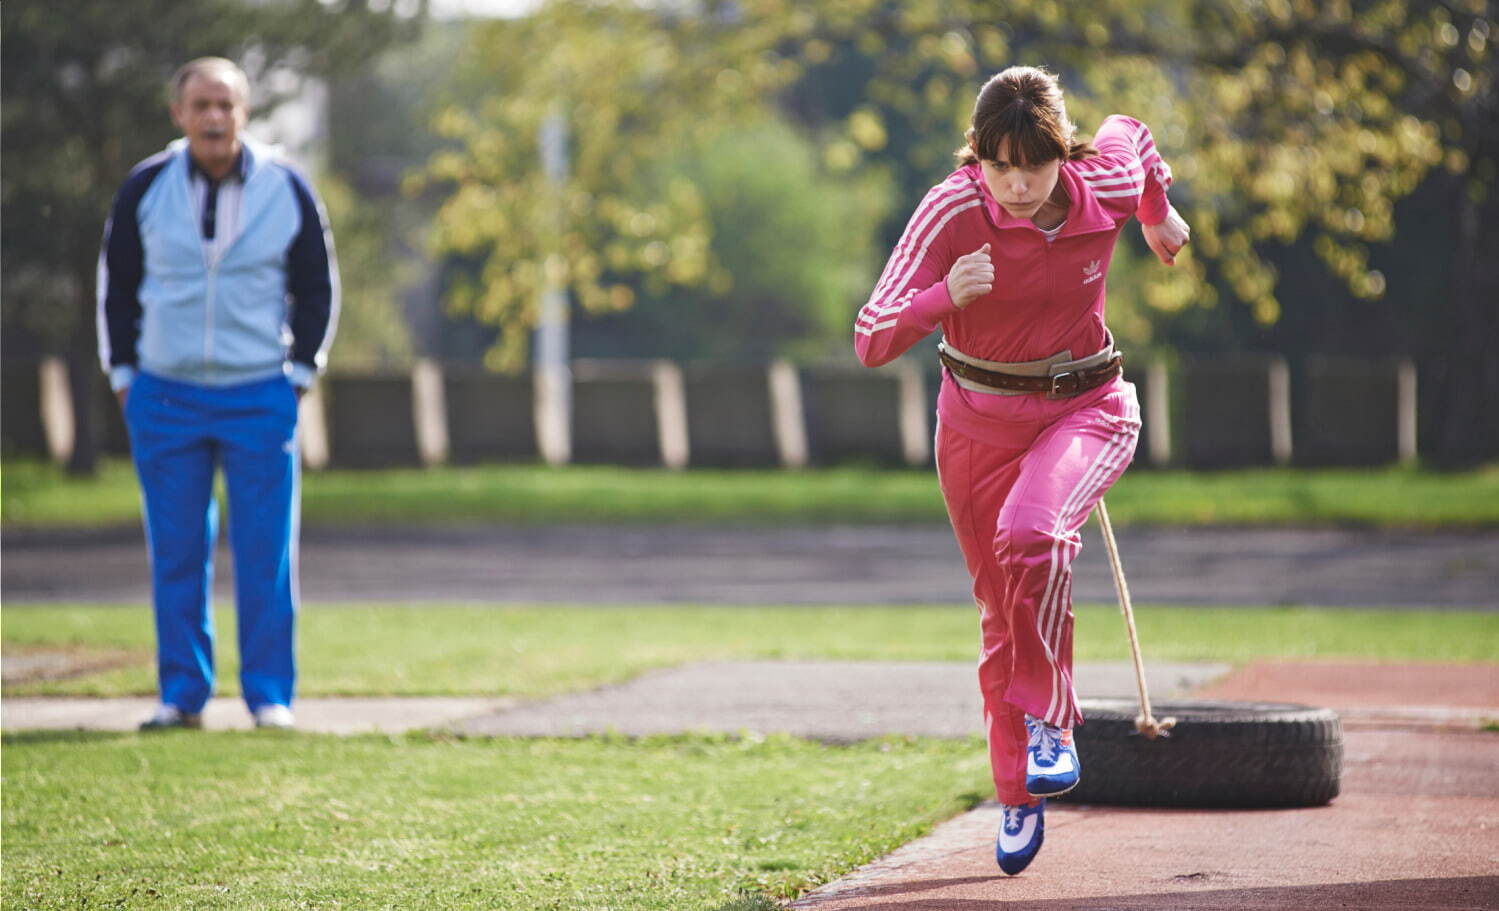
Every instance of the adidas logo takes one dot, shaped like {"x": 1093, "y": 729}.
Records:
{"x": 1092, "y": 272}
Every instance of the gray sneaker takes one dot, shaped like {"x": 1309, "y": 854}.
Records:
{"x": 169, "y": 716}
{"x": 275, "y": 716}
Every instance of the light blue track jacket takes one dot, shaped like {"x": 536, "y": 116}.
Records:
{"x": 267, "y": 304}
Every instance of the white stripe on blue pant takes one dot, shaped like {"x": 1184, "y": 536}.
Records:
{"x": 180, "y": 434}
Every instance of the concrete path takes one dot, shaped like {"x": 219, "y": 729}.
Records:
{"x": 346, "y": 715}
{"x": 824, "y": 700}
{"x": 836, "y": 702}
{"x": 872, "y": 564}
{"x": 833, "y": 701}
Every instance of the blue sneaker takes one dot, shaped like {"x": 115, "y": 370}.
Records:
{"x": 1051, "y": 766}
{"x": 1020, "y": 836}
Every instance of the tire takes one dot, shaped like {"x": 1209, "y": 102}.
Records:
{"x": 1219, "y": 754}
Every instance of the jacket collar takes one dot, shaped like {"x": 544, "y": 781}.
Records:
{"x": 238, "y": 171}
{"x": 1084, "y": 213}
{"x": 251, "y": 154}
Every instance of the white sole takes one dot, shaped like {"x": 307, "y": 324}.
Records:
{"x": 1055, "y": 793}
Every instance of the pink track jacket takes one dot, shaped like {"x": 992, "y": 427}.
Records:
{"x": 1047, "y": 297}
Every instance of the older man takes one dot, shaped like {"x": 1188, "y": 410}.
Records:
{"x": 218, "y": 295}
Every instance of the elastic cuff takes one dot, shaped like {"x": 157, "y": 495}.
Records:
{"x": 931, "y": 305}
{"x": 1153, "y": 211}
{"x": 121, "y": 376}
{"x": 299, "y": 374}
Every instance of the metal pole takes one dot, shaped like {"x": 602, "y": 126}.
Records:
{"x": 553, "y": 375}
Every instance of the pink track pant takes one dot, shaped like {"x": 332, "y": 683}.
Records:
{"x": 1017, "y": 511}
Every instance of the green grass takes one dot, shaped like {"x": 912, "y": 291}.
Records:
{"x": 38, "y": 494}
{"x": 226, "y": 820}
{"x": 223, "y": 820}
{"x": 541, "y": 651}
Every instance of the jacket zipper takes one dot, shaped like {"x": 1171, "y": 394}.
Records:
{"x": 210, "y": 268}
{"x": 213, "y": 273}
{"x": 212, "y": 257}
{"x": 1051, "y": 278}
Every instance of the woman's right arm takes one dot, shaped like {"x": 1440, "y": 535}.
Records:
{"x": 912, "y": 295}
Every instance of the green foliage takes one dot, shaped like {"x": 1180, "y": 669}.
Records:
{"x": 371, "y": 326}
{"x": 377, "y": 129}
{"x": 1284, "y": 119}
{"x": 219, "y": 821}
{"x": 790, "y": 246}
{"x": 628, "y": 91}
{"x": 792, "y": 243}
{"x": 1320, "y": 117}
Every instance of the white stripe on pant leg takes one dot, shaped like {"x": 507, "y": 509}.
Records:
{"x": 1115, "y": 457}
{"x": 1068, "y": 506}
{"x": 1050, "y": 590}
{"x": 1051, "y": 580}
{"x": 1057, "y": 713}
{"x": 1098, "y": 472}
{"x": 1049, "y": 596}
{"x": 1108, "y": 459}
{"x": 1058, "y": 682}
{"x": 1052, "y": 612}
{"x": 1051, "y": 601}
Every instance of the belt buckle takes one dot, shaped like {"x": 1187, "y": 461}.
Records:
{"x": 1065, "y": 384}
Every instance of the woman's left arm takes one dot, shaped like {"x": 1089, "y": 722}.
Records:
{"x": 1166, "y": 238}
{"x": 1129, "y": 177}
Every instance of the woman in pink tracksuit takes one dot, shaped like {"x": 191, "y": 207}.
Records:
{"x": 1035, "y": 422}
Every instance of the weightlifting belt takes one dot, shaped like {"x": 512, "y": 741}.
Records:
{"x": 1057, "y": 376}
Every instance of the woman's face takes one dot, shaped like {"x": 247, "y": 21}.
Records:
{"x": 1020, "y": 190}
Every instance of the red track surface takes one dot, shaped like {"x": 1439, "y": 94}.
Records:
{"x": 1416, "y": 826}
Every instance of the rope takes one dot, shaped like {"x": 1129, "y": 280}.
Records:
{"x": 1145, "y": 723}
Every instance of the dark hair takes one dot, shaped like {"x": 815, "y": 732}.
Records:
{"x": 1022, "y": 104}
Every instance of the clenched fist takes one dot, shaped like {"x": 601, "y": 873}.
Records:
{"x": 971, "y": 276}
{"x": 1167, "y": 238}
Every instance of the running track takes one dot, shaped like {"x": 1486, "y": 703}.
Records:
{"x": 880, "y": 564}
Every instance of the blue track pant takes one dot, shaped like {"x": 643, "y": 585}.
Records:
{"x": 179, "y": 434}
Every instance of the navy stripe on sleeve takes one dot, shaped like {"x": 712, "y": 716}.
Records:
{"x": 311, "y": 279}
{"x": 123, "y": 264}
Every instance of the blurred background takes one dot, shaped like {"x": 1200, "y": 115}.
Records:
{"x": 707, "y": 191}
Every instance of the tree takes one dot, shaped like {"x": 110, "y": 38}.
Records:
{"x": 85, "y": 97}
{"x": 790, "y": 246}
{"x": 1322, "y": 117}
{"x": 1288, "y": 122}
{"x": 632, "y": 84}
{"x": 372, "y": 332}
